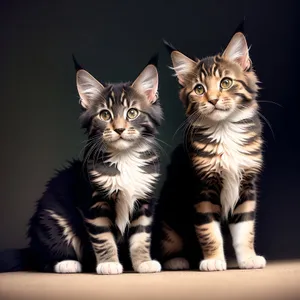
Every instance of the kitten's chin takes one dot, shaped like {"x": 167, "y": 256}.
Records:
{"x": 218, "y": 115}
{"x": 121, "y": 144}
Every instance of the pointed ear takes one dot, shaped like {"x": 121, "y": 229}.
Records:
{"x": 237, "y": 51}
{"x": 147, "y": 83}
{"x": 182, "y": 65}
{"x": 88, "y": 87}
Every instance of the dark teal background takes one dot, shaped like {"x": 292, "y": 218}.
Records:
{"x": 114, "y": 40}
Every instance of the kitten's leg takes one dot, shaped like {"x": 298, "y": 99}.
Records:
{"x": 98, "y": 221}
{"x": 207, "y": 226}
{"x": 241, "y": 224}
{"x": 56, "y": 246}
{"x": 172, "y": 246}
{"x": 140, "y": 240}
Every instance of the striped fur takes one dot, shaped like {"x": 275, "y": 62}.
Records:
{"x": 224, "y": 141}
{"x": 122, "y": 166}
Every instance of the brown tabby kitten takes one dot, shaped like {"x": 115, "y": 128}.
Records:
{"x": 225, "y": 148}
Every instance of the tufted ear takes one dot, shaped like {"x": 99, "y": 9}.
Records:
{"x": 147, "y": 82}
{"x": 237, "y": 51}
{"x": 88, "y": 88}
{"x": 182, "y": 65}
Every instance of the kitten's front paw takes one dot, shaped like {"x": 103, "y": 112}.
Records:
{"x": 177, "y": 263}
{"x": 254, "y": 262}
{"x": 213, "y": 265}
{"x": 68, "y": 266}
{"x": 151, "y": 266}
{"x": 109, "y": 268}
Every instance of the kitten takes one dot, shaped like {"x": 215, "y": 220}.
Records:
{"x": 225, "y": 152}
{"x": 121, "y": 163}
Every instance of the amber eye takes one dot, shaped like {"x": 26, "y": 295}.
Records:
{"x": 132, "y": 113}
{"x": 199, "y": 89}
{"x": 226, "y": 83}
{"x": 105, "y": 115}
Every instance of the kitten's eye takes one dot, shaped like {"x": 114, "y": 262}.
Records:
{"x": 226, "y": 83}
{"x": 199, "y": 89}
{"x": 132, "y": 113}
{"x": 105, "y": 115}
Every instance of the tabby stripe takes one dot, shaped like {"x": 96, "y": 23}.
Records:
{"x": 92, "y": 229}
{"x": 151, "y": 167}
{"x": 242, "y": 217}
{"x": 202, "y": 153}
{"x": 139, "y": 229}
{"x": 244, "y": 121}
{"x": 97, "y": 241}
{"x": 251, "y": 196}
{"x": 251, "y": 153}
{"x": 250, "y": 140}
{"x": 214, "y": 199}
{"x": 246, "y": 87}
{"x": 147, "y": 154}
{"x": 244, "y": 98}
{"x": 106, "y": 169}
{"x": 205, "y": 218}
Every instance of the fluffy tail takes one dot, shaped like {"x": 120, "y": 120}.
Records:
{"x": 13, "y": 260}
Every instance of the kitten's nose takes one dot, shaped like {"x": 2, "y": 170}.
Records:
{"x": 119, "y": 130}
{"x": 213, "y": 101}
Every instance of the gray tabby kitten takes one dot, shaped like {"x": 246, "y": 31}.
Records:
{"x": 122, "y": 164}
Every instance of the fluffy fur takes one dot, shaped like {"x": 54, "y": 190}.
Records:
{"x": 105, "y": 203}
{"x": 224, "y": 145}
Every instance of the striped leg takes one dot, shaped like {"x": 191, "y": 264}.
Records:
{"x": 207, "y": 225}
{"x": 98, "y": 221}
{"x": 140, "y": 240}
{"x": 241, "y": 224}
{"x": 172, "y": 246}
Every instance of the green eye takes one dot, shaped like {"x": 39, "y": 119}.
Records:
{"x": 226, "y": 83}
{"x": 132, "y": 113}
{"x": 199, "y": 89}
{"x": 105, "y": 115}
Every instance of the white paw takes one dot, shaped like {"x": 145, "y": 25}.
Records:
{"x": 68, "y": 266}
{"x": 213, "y": 265}
{"x": 109, "y": 268}
{"x": 178, "y": 263}
{"x": 255, "y": 262}
{"x": 151, "y": 266}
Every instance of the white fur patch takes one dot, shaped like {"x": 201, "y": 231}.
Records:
{"x": 230, "y": 161}
{"x": 132, "y": 183}
{"x": 246, "y": 257}
{"x": 151, "y": 266}
{"x": 109, "y": 268}
{"x": 213, "y": 265}
{"x": 68, "y": 266}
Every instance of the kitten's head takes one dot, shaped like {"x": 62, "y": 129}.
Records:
{"x": 217, "y": 87}
{"x": 123, "y": 115}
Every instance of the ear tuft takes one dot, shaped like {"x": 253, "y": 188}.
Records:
{"x": 88, "y": 88}
{"x": 240, "y": 27}
{"x": 154, "y": 60}
{"x": 76, "y": 64}
{"x": 169, "y": 46}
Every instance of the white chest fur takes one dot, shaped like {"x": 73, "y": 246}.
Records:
{"x": 230, "y": 161}
{"x": 132, "y": 183}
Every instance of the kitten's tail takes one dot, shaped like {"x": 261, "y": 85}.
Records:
{"x": 13, "y": 260}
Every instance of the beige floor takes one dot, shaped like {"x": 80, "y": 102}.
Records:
{"x": 280, "y": 280}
